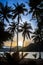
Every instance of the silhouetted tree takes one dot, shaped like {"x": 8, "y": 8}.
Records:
{"x": 26, "y": 30}
{"x": 12, "y": 30}
{"x": 36, "y": 10}
{"x": 19, "y": 9}
{"x": 37, "y": 38}
{"x": 5, "y": 12}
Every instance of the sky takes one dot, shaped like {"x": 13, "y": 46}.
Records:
{"x": 24, "y": 18}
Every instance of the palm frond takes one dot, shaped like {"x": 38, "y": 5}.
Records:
{"x": 9, "y": 15}
{"x": 7, "y": 19}
{"x": 15, "y": 5}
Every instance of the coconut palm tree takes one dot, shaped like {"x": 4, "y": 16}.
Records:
{"x": 12, "y": 30}
{"x": 5, "y": 12}
{"x": 34, "y": 9}
{"x": 36, "y": 36}
{"x": 19, "y": 9}
{"x": 37, "y": 11}
{"x": 26, "y": 30}
{"x": 37, "y": 39}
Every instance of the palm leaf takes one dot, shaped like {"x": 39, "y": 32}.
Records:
{"x": 7, "y": 19}
{"x": 14, "y": 5}
{"x": 9, "y": 15}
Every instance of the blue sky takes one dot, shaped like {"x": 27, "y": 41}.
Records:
{"x": 24, "y": 18}
{"x": 13, "y": 1}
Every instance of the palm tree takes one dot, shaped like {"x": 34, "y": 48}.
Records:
{"x": 34, "y": 9}
{"x": 12, "y": 30}
{"x": 37, "y": 11}
{"x": 36, "y": 36}
{"x": 37, "y": 39}
{"x": 5, "y": 12}
{"x": 19, "y": 9}
{"x": 25, "y": 28}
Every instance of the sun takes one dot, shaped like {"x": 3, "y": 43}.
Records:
{"x": 20, "y": 43}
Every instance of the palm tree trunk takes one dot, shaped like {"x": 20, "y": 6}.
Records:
{"x": 22, "y": 50}
{"x": 17, "y": 40}
{"x": 23, "y": 42}
{"x": 17, "y": 32}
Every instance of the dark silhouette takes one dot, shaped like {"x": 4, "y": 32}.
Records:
{"x": 19, "y": 9}
{"x": 32, "y": 62}
{"x": 5, "y": 12}
{"x": 36, "y": 11}
{"x": 10, "y": 59}
{"x": 12, "y": 30}
{"x": 4, "y": 35}
{"x": 25, "y": 28}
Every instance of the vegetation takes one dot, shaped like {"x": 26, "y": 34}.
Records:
{"x": 37, "y": 14}
{"x": 7, "y": 13}
{"x": 19, "y": 9}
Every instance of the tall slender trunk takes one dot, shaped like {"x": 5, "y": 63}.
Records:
{"x": 17, "y": 39}
{"x": 23, "y": 46}
{"x": 17, "y": 32}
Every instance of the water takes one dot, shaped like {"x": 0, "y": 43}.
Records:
{"x": 29, "y": 54}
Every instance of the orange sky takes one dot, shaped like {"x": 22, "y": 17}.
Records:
{"x": 14, "y": 43}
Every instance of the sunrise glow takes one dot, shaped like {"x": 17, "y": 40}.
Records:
{"x": 20, "y": 43}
